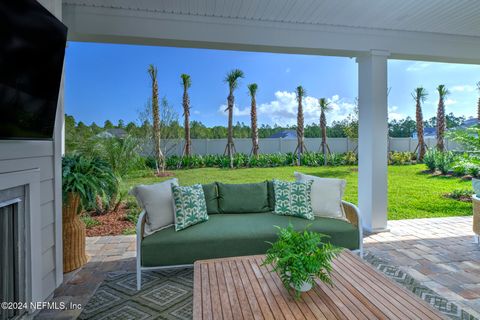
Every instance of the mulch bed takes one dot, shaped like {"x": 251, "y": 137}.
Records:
{"x": 113, "y": 223}
{"x": 461, "y": 198}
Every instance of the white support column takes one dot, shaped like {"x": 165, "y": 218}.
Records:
{"x": 55, "y": 7}
{"x": 372, "y": 144}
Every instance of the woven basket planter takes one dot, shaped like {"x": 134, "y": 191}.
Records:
{"x": 476, "y": 214}
{"x": 73, "y": 235}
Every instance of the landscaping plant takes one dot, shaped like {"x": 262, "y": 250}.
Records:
{"x": 87, "y": 178}
{"x": 82, "y": 180}
{"x": 159, "y": 158}
{"x": 429, "y": 159}
{"x": 444, "y": 161}
{"x": 299, "y": 257}
{"x": 252, "y": 90}
{"x": 186, "y": 84}
{"x": 324, "y": 107}
{"x": 300, "y": 149}
{"x": 232, "y": 79}
{"x": 441, "y": 122}
{"x": 420, "y": 95}
{"x": 464, "y": 195}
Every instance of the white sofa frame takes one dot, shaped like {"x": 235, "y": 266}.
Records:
{"x": 140, "y": 236}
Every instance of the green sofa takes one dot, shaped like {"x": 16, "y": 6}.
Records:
{"x": 240, "y": 223}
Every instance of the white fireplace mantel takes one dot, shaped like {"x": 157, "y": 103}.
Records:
{"x": 30, "y": 179}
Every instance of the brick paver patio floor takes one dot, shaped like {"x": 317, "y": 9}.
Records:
{"x": 438, "y": 252}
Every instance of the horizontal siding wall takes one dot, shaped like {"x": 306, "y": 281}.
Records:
{"x": 24, "y": 155}
{"x": 276, "y": 145}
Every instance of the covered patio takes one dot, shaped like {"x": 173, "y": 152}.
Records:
{"x": 371, "y": 33}
{"x": 438, "y": 253}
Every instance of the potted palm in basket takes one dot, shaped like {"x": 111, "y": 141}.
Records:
{"x": 82, "y": 180}
{"x": 300, "y": 257}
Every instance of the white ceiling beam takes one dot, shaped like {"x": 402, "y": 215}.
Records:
{"x": 113, "y": 25}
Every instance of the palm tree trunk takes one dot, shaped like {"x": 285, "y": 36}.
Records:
{"x": 186, "y": 111}
{"x": 478, "y": 110}
{"x": 230, "y": 146}
{"x": 441, "y": 125}
{"x": 253, "y": 115}
{"x": 156, "y": 123}
{"x": 300, "y": 132}
{"x": 323, "y": 128}
{"x": 421, "y": 141}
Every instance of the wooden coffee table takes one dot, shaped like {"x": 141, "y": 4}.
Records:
{"x": 239, "y": 288}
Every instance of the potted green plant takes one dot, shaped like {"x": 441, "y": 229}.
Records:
{"x": 82, "y": 180}
{"x": 299, "y": 257}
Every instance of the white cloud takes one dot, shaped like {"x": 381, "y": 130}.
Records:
{"x": 463, "y": 88}
{"x": 394, "y": 115}
{"x": 418, "y": 65}
{"x": 450, "y": 102}
{"x": 283, "y": 109}
{"x": 287, "y": 70}
{"x": 237, "y": 112}
{"x": 196, "y": 112}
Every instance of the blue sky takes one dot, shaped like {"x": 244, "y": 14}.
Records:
{"x": 106, "y": 81}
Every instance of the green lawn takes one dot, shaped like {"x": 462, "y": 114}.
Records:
{"x": 411, "y": 193}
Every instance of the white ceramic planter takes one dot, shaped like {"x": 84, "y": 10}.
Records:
{"x": 306, "y": 286}
{"x": 476, "y": 186}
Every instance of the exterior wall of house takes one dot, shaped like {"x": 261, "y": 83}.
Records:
{"x": 45, "y": 156}
{"x": 26, "y": 155}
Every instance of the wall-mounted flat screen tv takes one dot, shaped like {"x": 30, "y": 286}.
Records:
{"x": 32, "y": 49}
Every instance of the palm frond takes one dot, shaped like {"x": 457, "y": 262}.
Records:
{"x": 324, "y": 104}
{"x": 232, "y": 78}
{"x": 186, "y": 80}
{"x": 442, "y": 91}
{"x": 152, "y": 71}
{"x": 252, "y": 89}
{"x": 420, "y": 94}
{"x": 301, "y": 92}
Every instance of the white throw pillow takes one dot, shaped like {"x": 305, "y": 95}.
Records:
{"x": 157, "y": 201}
{"x": 327, "y": 194}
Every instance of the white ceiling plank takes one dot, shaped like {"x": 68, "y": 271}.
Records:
{"x": 460, "y": 17}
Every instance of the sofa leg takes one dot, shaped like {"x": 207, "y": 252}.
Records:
{"x": 139, "y": 279}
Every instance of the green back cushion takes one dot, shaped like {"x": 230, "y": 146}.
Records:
{"x": 211, "y": 197}
{"x": 243, "y": 198}
{"x": 271, "y": 195}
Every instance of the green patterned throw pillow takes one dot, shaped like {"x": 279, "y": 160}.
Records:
{"x": 293, "y": 199}
{"x": 189, "y": 204}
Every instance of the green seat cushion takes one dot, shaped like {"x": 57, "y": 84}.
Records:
{"x": 211, "y": 197}
{"x": 235, "y": 235}
{"x": 243, "y": 198}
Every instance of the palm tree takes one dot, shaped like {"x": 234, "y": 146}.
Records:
{"x": 478, "y": 103}
{"x": 252, "y": 90}
{"x": 324, "y": 107}
{"x": 442, "y": 93}
{"x": 186, "y": 83}
{"x": 420, "y": 95}
{"x": 232, "y": 80}
{"x": 152, "y": 71}
{"x": 300, "y": 92}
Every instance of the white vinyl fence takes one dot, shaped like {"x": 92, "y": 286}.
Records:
{"x": 280, "y": 145}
